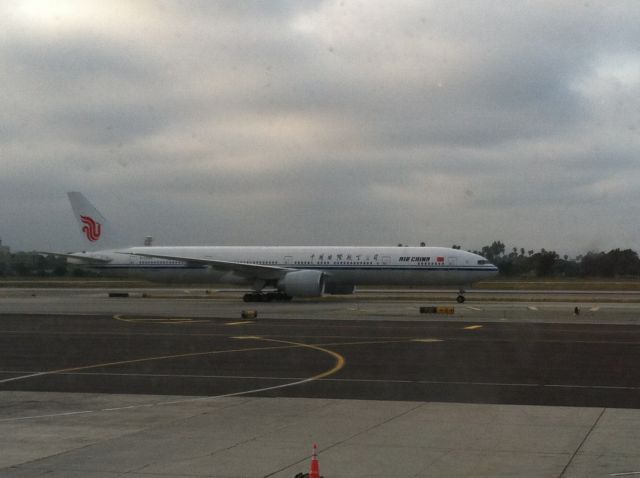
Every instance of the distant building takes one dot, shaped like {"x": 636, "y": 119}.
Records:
{"x": 4, "y": 250}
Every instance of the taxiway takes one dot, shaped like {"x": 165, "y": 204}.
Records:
{"x": 177, "y": 385}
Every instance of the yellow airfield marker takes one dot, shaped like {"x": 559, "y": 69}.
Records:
{"x": 157, "y": 320}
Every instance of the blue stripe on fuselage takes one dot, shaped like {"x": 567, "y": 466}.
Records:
{"x": 300, "y": 267}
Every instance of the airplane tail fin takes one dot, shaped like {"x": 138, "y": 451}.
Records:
{"x": 96, "y": 230}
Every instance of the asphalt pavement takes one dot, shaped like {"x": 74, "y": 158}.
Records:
{"x": 471, "y": 362}
{"x": 175, "y": 384}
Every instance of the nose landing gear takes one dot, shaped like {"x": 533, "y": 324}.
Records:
{"x": 460, "y": 299}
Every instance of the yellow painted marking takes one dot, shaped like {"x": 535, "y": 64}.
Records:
{"x": 473, "y": 327}
{"x": 340, "y": 361}
{"x": 428, "y": 341}
{"x": 161, "y": 357}
{"x": 159, "y": 320}
{"x": 241, "y": 323}
{"x": 119, "y": 317}
{"x": 321, "y": 347}
{"x": 152, "y": 319}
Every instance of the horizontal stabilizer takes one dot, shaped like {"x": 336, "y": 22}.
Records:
{"x": 81, "y": 257}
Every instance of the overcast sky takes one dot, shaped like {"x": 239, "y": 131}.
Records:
{"x": 337, "y": 122}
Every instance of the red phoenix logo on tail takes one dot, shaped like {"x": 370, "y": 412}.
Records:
{"x": 92, "y": 229}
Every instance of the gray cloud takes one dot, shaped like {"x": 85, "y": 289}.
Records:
{"x": 323, "y": 122}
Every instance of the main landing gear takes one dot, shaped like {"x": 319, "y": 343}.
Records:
{"x": 266, "y": 297}
{"x": 460, "y": 298}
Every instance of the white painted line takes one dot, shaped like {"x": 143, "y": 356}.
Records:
{"x": 301, "y": 379}
{"x": 474, "y": 308}
{"x": 531, "y": 307}
{"x": 427, "y": 341}
{"x": 595, "y": 309}
{"x": 23, "y": 377}
{"x": 473, "y": 327}
{"x": 52, "y": 415}
{"x": 175, "y": 402}
{"x": 339, "y": 364}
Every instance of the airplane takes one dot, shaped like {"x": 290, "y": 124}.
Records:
{"x": 275, "y": 273}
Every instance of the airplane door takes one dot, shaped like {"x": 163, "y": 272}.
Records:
{"x": 288, "y": 260}
{"x": 452, "y": 261}
{"x": 386, "y": 260}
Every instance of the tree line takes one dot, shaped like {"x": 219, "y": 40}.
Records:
{"x": 32, "y": 264}
{"x": 520, "y": 262}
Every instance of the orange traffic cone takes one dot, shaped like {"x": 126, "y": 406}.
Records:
{"x": 315, "y": 466}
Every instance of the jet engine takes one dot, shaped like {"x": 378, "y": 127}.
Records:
{"x": 302, "y": 284}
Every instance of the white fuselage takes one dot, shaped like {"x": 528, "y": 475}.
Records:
{"x": 340, "y": 265}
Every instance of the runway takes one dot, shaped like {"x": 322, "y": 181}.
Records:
{"x": 609, "y": 307}
{"x": 471, "y": 362}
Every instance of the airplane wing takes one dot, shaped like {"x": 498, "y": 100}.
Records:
{"x": 87, "y": 259}
{"x": 253, "y": 271}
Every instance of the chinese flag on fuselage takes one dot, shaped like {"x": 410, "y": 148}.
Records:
{"x": 439, "y": 259}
